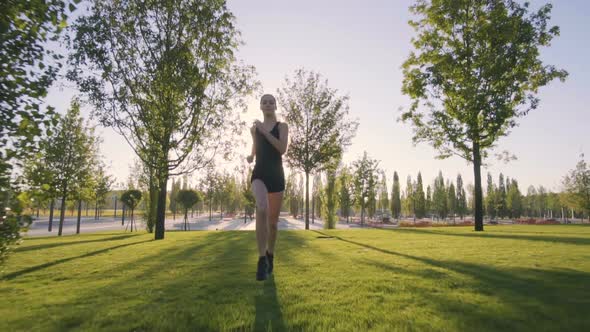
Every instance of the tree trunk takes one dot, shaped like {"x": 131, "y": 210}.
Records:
{"x": 51, "y": 207}
{"x": 63, "y": 210}
{"x": 86, "y": 208}
{"x": 79, "y": 216}
{"x": 362, "y": 214}
{"x": 161, "y": 214}
{"x": 123, "y": 215}
{"x": 132, "y": 219}
{"x": 115, "y": 215}
{"x": 478, "y": 192}
{"x": 306, "y": 200}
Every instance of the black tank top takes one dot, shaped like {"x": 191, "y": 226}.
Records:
{"x": 268, "y": 158}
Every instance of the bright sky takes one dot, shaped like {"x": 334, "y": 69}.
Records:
{"x": 359, "y": 47}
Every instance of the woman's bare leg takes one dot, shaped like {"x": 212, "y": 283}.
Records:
{"x": 261, "y": 196}
{"x": 274, "y": 209}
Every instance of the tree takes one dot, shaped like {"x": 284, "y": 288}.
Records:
{"x": 69, "y": 155}
{"x": 248, "y": 197}
{"x": 131, "y": 199}
{"x": 419, "y": 199}
{"x": 103, "y": 186}
{"x": 187, "y": 198}
{"x": 330, "y": 194}
{"x": 364, "y": 171}
{"x": 396, "y": 206}
{"x": 173, "y": 197}
{"x": 28, "y": 69}
{"x": 211, "y": 187}
{"x": 346, "y": 199}
{"x": 144, "y": 176}
{"x": 40, "y": 178}
{"x": 501, "y": 197}
{"x": 292, "y": 195}
{"x": 318, "y": 125}
{"x": 461, "y": 198}
{"x": 82, "y": 190}
{"x": 316, "y": 197}
{"x": 541, "y": 201}
{"x": 514, "y": 201}
{"x": 531, "y": 201}
{"x": 410, "y": 198}
{"x": 475, "y": 70}
{"x": 383, "y": 194}
{"x": 428, "y": 203}
{"x": 439, "y": 197}
{"x": 491, "y": 198}
{"x": 173, "y": 95}
{"x": 577, "y": 184}
{"x": 452, "y": 200}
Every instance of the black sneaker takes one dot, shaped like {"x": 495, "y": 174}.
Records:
{"x": 262, "y": 268}
{"x": 269, "y": 258}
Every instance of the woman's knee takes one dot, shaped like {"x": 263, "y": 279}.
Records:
{"x": 260, "y": 195}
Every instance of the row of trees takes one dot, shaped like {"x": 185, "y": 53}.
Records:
{"x": 362, "y": 187}
{"x": 66, "y": 167}
{"x": 474, "y": 70}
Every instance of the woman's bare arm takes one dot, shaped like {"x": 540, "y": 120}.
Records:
{"x": 281, "y": 143}
{"x": 250, "y": 158}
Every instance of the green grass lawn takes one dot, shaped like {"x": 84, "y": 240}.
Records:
{"x": 510, "y": 278}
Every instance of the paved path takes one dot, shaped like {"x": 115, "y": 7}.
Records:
{"x": 89, "y": 225}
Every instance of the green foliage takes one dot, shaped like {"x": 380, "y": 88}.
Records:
{"x": 365, "y": 180}
{"x": 131, "y": 198}
{"x": 396, "y": 206}
{"x": 491, "y": 198}
{"x": 188, "y": 198}
{"x": 173, "y": 196}
{"x": 514, "y": 201}
{"x": 461, "y": 198}
{"x": 577, "y": 185}
{"x": 347, "y": 192}
{"x": 475, "y": 70}
{"x": 440, "y": 197}
{"x": 28, "y": 70}
{"x": 412, "y": 277}
{"x": 383, "y": 194}
{"x": 452, "y": 200}
{"x": 330, "y": 197}
{"x": 419, "y": 199}
{"x": 9, "y": 235}
{"x": 174, "y": 94}
{"x": 318, "y": 123}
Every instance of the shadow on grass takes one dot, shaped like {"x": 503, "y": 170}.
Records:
{"x": 535, "y": 298}
{"x": 542, "y": 238}
{"x": 68, "y": 236}
{"x": 64, "y": 260}
{"x": 268, "y": 309}
{"x": 207, "y": 283}
{"x": 67, "y": 243}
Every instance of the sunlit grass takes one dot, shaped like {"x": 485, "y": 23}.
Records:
{"x": 526, "y": 278}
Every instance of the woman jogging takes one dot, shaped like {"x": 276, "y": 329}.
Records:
{"x": 270, "y": 139}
